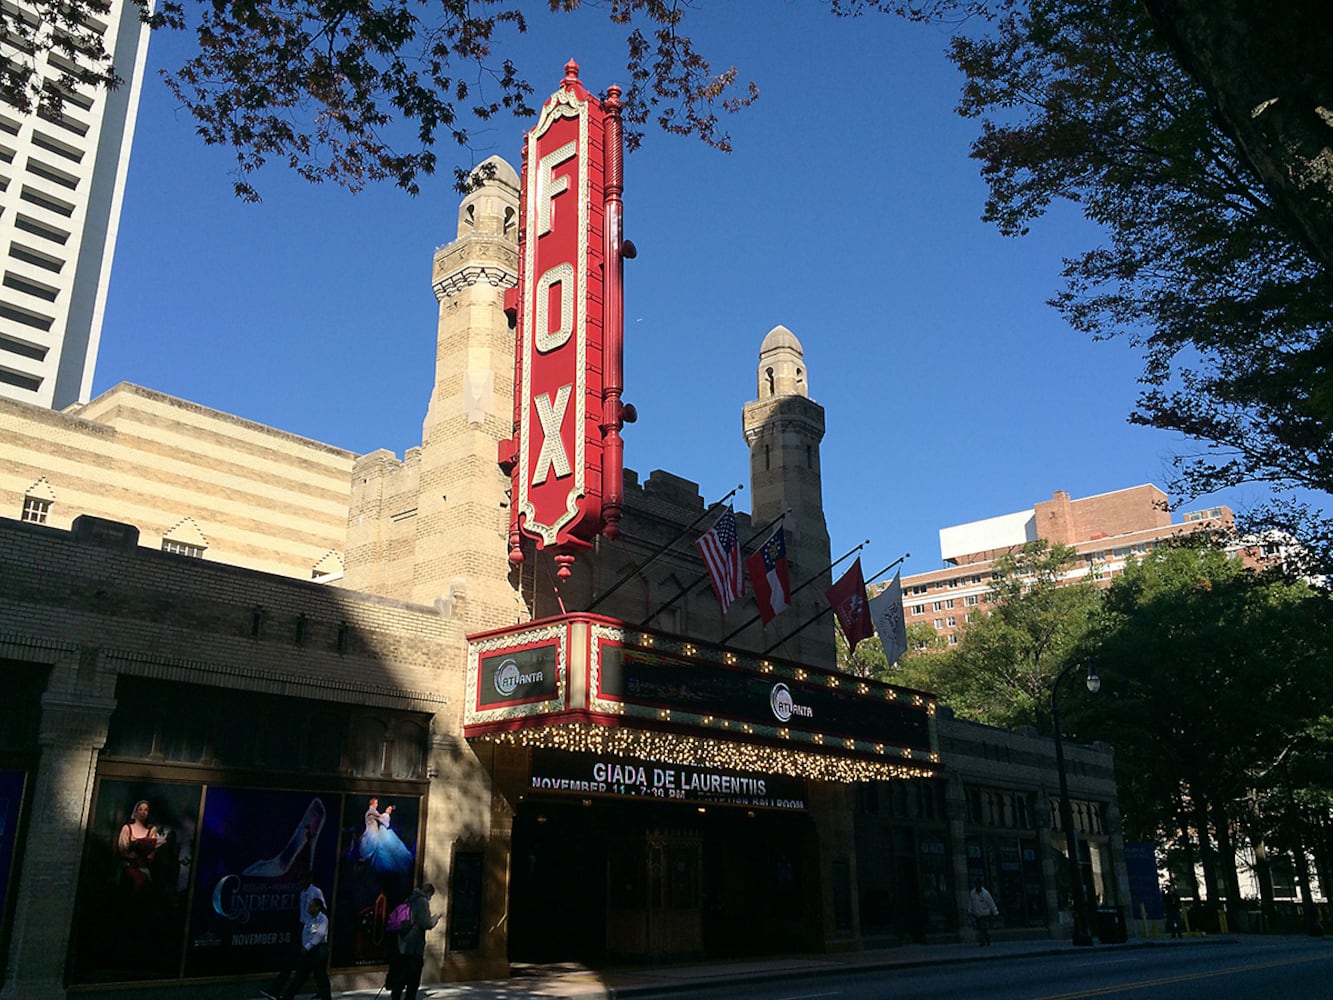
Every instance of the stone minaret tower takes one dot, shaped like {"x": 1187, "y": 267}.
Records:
{"x": 462, "y": 514}
{"x": 432, "y": 528}
{"x": 783, "y": 428}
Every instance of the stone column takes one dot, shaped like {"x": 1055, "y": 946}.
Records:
{"x": 1051, "y": 862}
{"x": 73, "y": 730}
{"x": 955, "y": 805}
{"x": 461, "y": 814}
{"x": 1119, "y": 870}
{"x": 831, "y": 810}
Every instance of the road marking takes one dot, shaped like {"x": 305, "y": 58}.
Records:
{"x": 1106, "y": 991}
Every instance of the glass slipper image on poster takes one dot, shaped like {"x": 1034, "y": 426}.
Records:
{"x": 302, "y": 841}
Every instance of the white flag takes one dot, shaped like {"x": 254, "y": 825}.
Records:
{"x": 886, "y": 611}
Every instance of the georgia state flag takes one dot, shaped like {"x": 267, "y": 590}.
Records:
{"x": 768, "y": 573}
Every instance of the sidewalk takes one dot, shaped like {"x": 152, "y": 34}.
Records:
{"x": 575, "y": 981}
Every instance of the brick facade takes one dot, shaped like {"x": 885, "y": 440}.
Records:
{"x": 259, "y": 497}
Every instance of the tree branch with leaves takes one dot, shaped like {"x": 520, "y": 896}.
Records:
{"x": 353, "y": 92}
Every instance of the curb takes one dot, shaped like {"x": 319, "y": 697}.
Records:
{"x": 881, "y": 965}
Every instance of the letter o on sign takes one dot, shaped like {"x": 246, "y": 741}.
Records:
{"x": 546, "y": 339}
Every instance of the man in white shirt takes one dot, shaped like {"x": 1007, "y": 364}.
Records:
{"x": 308, "y": 892}
{"x": 314, "y": 952}
{"x": 981, "y": 907}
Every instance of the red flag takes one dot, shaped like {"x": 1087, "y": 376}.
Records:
{"x": 768, "y": 573}
{"x": 847, "y": 598}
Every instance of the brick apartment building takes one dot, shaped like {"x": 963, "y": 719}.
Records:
{"x": 1106, "y": 531}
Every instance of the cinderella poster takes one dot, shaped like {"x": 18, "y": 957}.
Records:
{"x": 377, "y": 866}
{"x": 254, "y": 846}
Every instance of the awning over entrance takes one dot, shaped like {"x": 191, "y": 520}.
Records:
{"x": 592, "y": 685}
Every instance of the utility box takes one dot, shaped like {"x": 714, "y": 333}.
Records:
{"x": 1108, "y": 923}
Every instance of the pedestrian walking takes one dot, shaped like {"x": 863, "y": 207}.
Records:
{"x": 405, "y": 971}
{"x": 1171, "y": 906}
{"x": 308, "y": 892}
{"x": 314, "y": 953}
{"x": 981, "y": 907}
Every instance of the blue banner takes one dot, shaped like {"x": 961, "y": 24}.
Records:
{"x": 1145, "y": 887}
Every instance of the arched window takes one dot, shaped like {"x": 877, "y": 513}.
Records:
{"x": 407, "y": 751}
{"x": 768, "y": 374}
{"x": 366, "y": 750}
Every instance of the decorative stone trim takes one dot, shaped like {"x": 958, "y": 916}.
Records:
{"x": 75, "y": 722}
{"x": 326, "y": 688}
{"x": 34, "y": 648}
{"x": 472, "y": 274}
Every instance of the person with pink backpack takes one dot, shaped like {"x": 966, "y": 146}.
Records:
{"x": 409, "y": 947}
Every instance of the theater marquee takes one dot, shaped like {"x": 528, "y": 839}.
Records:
{"x": 619, "y": 777}
{"x": 615, "y": 692}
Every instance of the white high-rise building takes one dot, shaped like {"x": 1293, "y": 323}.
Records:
{"x": 61, "y": 185}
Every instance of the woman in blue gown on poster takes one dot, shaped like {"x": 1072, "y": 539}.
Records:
{"x": 380, "y": 844}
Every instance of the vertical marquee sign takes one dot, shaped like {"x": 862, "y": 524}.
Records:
{"x": 566, "y": 457}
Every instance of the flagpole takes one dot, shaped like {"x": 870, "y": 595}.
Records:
{"x": 698, "y": 580}
{"x": 635, "y": 570}
{"x": 795, "y": 591}
{"x": 820, "y": 614}
{"x": 901, "y": 558}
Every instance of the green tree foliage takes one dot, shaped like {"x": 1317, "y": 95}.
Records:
{"x": 1203, "y": 268}
{"x": 1002, "y": 671}
{"x": 868, "y": 659}
{"x": 1210, "y": 673}
{"x": 1265, "y": 70}
{"x": 1292, "y": 804}
{"x": 355, "y": 91}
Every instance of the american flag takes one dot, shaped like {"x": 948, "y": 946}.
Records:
{"x": 722, "y": 555}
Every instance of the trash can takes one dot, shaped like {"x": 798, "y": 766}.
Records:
{"x": 1108, "y": 923}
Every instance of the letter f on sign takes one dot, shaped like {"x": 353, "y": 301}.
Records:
{"x": 551, "y": 417}
{"x": 548, "y": 185}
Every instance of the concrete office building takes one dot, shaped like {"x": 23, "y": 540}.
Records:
{"x": 59, "y": 211}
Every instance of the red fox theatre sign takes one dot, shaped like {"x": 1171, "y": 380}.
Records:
{"x": 566, "y": 458}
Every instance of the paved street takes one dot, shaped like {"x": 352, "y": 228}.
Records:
{"x": 1299, "y": 968}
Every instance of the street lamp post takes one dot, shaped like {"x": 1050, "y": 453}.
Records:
{"x": 1082, "y": 925}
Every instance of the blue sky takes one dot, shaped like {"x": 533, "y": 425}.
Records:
{"x": 848, "y": 212}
